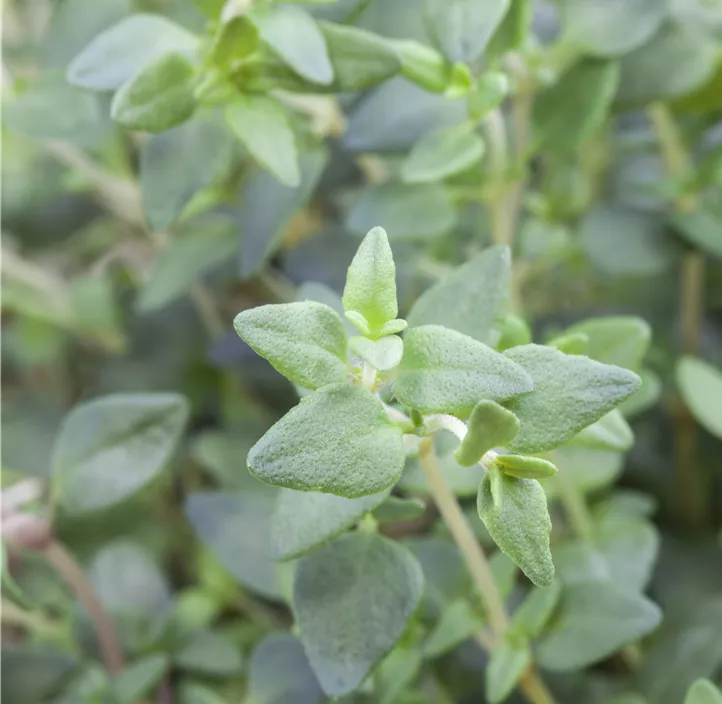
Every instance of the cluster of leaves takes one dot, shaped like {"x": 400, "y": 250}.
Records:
{"x": 168, "y": 164}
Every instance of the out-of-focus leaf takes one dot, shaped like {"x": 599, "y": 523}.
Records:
{"x": 209, "y": 653}
{"x": 138, "y": 679}
{"x": 620, "y": 340}
{"x": 703, "y": 692}
{"x": 396, "y": 673}
{"x": 702, "y": 228}
{"x": 701, "y": 387}
{"x": 33, "y": 672}
{"x": 506, "y": 667}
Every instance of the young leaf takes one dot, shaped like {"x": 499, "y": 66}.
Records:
{"x": 536, "y": 609}
{"x": 397, "y": 509}
{"x": 570, "y": 393}
{"x": 442, "y": 153}
{"x": 304, "y": 341}
{"x": 490, "y": 425}
{"x": 159, "y": 97}
{"x": 338, "y": 440}
{"x": 473, "y": 299}
{"x": 296, "y": 38}
{"x": 462, "y": 28}
{"x": 111, "y": 447}
{"x": 525, "y": 467}
{"x": 383, "y": 354}
{"x": 237, "y": 39}
{"x": 303, "y": 520}
{"x": 515, "y": 513}
{"x": 507, "y": 665}
{"x": 119, "y": 53}
{"x": 370, "y": 289}
{"x": 614, "y": 615}
{"x": 701, "y": 387}
{"x": 261, "y": 124}
{"x": 443, "y": 371}
{"x": 353, "y": 600}
{"x": 703, "y": 691}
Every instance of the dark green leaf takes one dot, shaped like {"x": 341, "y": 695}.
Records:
{"x": 490, "y": 425}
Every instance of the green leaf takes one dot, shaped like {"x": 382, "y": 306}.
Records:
{"x": 513, "y": 30}
{"x": 490, "y": 425}
{"x": 535, "y": 611}
{"x": 138, "y": 679}
{"x": 442, "y": 153}
{"x": 383, "y": 354}
{"x": 119, "y": 53}
{"x": 337, "y": 440}
{"x": 515, "y": 513}
{"x": 157, "y": 98}
{"x": 396, "y": 673}
{"x": 209, "y": 653}
{"x": 610, "y": 432}
{"x": 614, "y": 615}
{"x": 304, "y": 520}
{"x": 701, "y": 387}
{"x": 408, "y": 212}
{"x": 507, "y": 665}
{"x": 423, "y": 65}
{"x": 395, "y": 509}
{"x": 630, "y": 548}
{"x": 111, "y": 447}
{"x": 296, "y": 38}
{"x": 370, "y": 289}
{"x": 353, "y": 600}
{"x": 305, "y": 341}
{"x": 472, "y": 299}
{"x": 236, "y": 40}
{"x": 462, "y": 28}
{"x": 610, "y": 29}
{"x": 701, "y": 228}
{"x": 195, "y": 693}
{"x": 570, "y": 393}
{"x": 514, "y": 332}
{"x": 235, "y": 528}
{"x": 176, "y": 164}
{"x": 360, "y": 59}
{"x": 489, "y": 92}
{"x": 10, "y": 587}
{"x": 185, "y": 259}
{"x": 622, "y": 340}
{"x": 525, "y": 467}
{"x": 576, "y": 106}
{"x": 444, "y": 371}
{"x": 703, "y": 692}
{"x": 458, "y": 622}
{"x": 261, "y": 124}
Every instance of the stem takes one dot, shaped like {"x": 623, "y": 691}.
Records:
{"x": 74, "y": 577}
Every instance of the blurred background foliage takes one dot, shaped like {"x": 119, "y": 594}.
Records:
{"x": 126, "y": 254}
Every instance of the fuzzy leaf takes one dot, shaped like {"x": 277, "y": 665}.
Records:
{"x": 525, "y": 467}
{"x": 353, "y": 600}
{"x": 383, "y": 354}
{"x": 515, "y": 513}
{"x": 507, "y": 665}
{"x": 303, "y": 520}
{"x": 473, "y": 299}
{"x": 337, "y": 440}
{"x": 490, "y": 425}
{"x": 444, "y": 371}
{"x": 570, "y": 393}
{"x": 305, "y": 341}
{"x": 701, "y": 387}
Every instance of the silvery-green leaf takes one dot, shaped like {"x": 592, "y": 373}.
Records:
{"x": 383, "y": 354}
{"x": 490, "y": 425}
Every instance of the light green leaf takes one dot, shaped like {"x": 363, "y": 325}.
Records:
{"x": 610, "y": 432}
{"x": 235, "y": 528}
{"x": 513, "y": 30}
{"x": 611, "y": 28}
{"x": 185, "y": 260}
{"x": 576, "y": 106}
{"x": 614, "y": 615}
{"x": 701, "y": 387}
{"x": 304, "y": 520}
{"x": 209, "y": 653}
{"x": 423, "y": 65}
{"x": 515, "y": 513}
{"x": 370, "y": 289}
{"x": 442, "y": 153}
{"x": 315, "y": 291}
{"x": 570, "y": 393}
{"x": 703, "y": 692}
{"x": 535, "y": 611}
{"x": 588, "y": 469}
{"x": 383, "y": 354}
{"x": 261, "y": 124}
{"x": 119, "y": 53}
{"x": 407, "y": 212}
{"x": 702, "y": 228}
{"x": 305, "y": 341}
{"x": 514, "y": 332}
{"x": 458, "y": 622}
{"x": 196, "y": 693}
{"x": 138, "y": 679}
{"x": 472, "y": 299}
{"x": 525, "y": 467}
{"x": 621, "y": 340}
{"x": 157, "y": 98}
{"x": 353, "y": 600}
{"x": 338, "y": 440}
{"x": 489, "y": 92}
{"x": 490, "y": 425}
{"x": 462, "y": 28}
{"x": 297, "y": 39}
{"x": 236, "y": 39}
{"x": 395, "y": 509}
{"x": 360, "y": 59}
{"x": 111, "y": 447}
{"x": 176, "y": 164}
{"x": 645, "y": 397}
{"x": 507, "y": 665}
{"x": 570, "y": 343}
{"x": 444, "y": 371}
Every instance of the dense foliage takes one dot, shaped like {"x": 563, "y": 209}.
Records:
{"x": 481, "y": 241}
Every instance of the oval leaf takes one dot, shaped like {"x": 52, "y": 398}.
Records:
{"x": 701, "y": 387}
{"x": 490, "y": 425}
